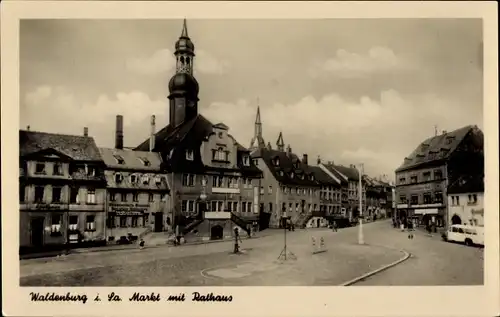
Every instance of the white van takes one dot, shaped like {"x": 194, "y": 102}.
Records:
{"x": 470, "y": 235}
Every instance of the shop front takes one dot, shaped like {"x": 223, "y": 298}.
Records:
{"x": 129, "y": 219}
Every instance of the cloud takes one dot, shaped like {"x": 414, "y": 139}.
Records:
{"x": 57, "y": 110}
{"x": 377, "y": 131}
{"x": 163, "y": 61}
{"x": 348, "y": 64}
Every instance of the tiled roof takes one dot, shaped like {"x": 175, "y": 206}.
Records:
{"x": 351, "y": 173}
{"x": 126, "y": 182}
{"x": 283, "y": 172}
{"x": 323, "y": 177}
{"x": 467, "y": 184}
{"x": 134, "y": 160}
{"x": 172, "y": 143}
{"x": 330, "y": 168}
{"x": 80, "y": 148}
{"x": 438, "y": 147}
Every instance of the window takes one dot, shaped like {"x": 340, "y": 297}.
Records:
{"x": 292, "y": 191}
{"x": 90, "y": 171}
{"x": 90, "y": 223}
{"x": 220, "y": 206}
{"x": 270, "y": 207}
{"x": 402, "y": 180}
{"x": 145, "y": 161}
{"x": 270, "y": 189}
{"x": 217, "y": 181}
{"x": 73, "y": 199}
{"x": 73, "y": 222}
{"x": 123, "y": 196}
{"x": 246, "y": 160}
{"x": 189, "y": 155}
{"x": 145, "y": 180}
{"x": 292, "y": 175}
{"x": 262, "y": 190}
{"x": 276, "y": 162}
{"x": 123, "y": 222}
{"x": 39, "y": 193}
{"x": 453, "y": 200}
{"x": 112, "y": 196}
{"x": 427, "y": 176}
{"x": 413, "y": 179}
{"x": 256, "y": 162}
{"x": 438, "y": 197}
{"x": 57, "y": 169}
{"x": 297, "y": 207}
{"x": 133, "y": 179}
{"x": 55, "y": 228}
{"x": 91, "y": 196}
{"x": 233, "y": 182}
{"x": 135, "y": 197}
{"x": 438, "y": 175}
{"x": 220, "y": 155}
{"x": 280, "y": 173}
{"x": 151, "y": 198}
{"x": 402, "y": 199}
{"x": 158, "y": 180}
{"x": 163, "y": 197}
{"x": 427, "y": 198}
{"x": 118, "y": 178}
{"x": 56, "y": 194}
{"x": 40, "y": 168}
{"x": 119, "y": 159}
{"x": 458, "y": 200}
{"x": 188, "y": 180}
{"x": 22, "y": 192}
{"x": 283, "y": 207}
{"x": 249, "y": 207}
{"x": 474, "y": 198}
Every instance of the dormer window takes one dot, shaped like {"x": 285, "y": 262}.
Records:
{"x": 296, "y": 164}
{"x": 118, "y": 178}
{"x": 158, "y": 180}
{"x": 302, "y": 177}
{"x": 449, "y": 139}
{"x": 276, "y": 161}
{"x": 311, "y": 177}
{"x": 119, "y": 159}
{"x": 145, "y": 161}
{"x": 255, "y": 162}
{"x": 189, "y": 155}
{"x": 292, "y": 175}
{"x": 280, "y": 173}
{"x": 246, "y": 160}
{"x": 133, "y": 179}
{"x": 145, "y": 180}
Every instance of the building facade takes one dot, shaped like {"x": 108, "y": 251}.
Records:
{"x": 137, "y": 191}
{"x": 423, "y": 178}
{"x": 214, "y": 183}
{"x": 466, "y": 201}
{"x": 62, "y": 191}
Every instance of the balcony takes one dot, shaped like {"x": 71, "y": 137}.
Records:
{"x": 225, "y": 190}
{"x": 217, "y": 215}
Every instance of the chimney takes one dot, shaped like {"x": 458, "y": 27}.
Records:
{"x": 28, "y": 128}
{"x": 269, "y": 147}
{"x": 318, "y": 160}
{"x": 85, "y": 131}
{"x": 304, "y": 158}
{"x": 152, "y": 136}
{"x": 444, "y": 132}
{"x": 119, "y": 132}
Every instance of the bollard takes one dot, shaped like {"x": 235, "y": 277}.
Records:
{"x": 313, "y": 240}
{"x": 321, "y": 248}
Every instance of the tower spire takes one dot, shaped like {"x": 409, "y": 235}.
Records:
{"x": 184, "y": 29}
{"x": 280, "y": 143}
{"x": 257, "y": 141}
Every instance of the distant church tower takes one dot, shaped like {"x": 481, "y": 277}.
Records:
{"x": 257, "y": 141}
{"x": 280, "y": 143}
{"x": 183, "y": 86}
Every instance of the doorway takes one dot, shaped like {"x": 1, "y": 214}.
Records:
{"x": 318, "y": 223}
{"x": 216, "y": 233}
{"x": 159, "y": 222}
{"x": 455, "y": 220}
{"x": 37, "y": 231}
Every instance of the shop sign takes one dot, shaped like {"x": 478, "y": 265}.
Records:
{"x": 128, "y": 211}
{"x": 48, "y": 206}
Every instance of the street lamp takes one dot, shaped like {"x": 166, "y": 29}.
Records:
{"x": 361, "y": 239}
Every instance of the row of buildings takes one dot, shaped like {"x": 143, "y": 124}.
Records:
{"x": 191, "y": 177}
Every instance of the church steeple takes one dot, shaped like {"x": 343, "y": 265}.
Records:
{"x": 280, "y": 143}
{"x": 257, "y": 141}
{"x": 184, "y": 52}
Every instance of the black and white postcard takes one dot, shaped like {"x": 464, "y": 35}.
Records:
{"x": 249, "y": 158}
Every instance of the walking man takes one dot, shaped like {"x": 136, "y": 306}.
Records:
{"x": 236, "y": 240}
{"x": 410, "y": 229}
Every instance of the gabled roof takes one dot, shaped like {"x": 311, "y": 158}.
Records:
{"x": 283, "y": 173}
{"x": 329, "y": 167}
{"x": 351, "y": 173}
{"x": 322, "y": 177}
{"x": 438, "y": 147}
{"x": 79, "y": 148}
{"x": 467, "y": 184}
{"x": 133, "y": 160}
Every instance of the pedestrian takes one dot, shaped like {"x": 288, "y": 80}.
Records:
{"x": 236, "y": 240}
{"x": 402, "y": 226}
{"x": 141, "y": 244}
{"x": 410, "y": 229}
{"x": 335, "y": 226}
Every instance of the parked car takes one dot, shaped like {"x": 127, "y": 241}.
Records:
{"x": 469, "y": 235}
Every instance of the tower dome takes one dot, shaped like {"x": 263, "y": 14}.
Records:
{"x": 183, "y": 83}
{"x": 184, "y": 43}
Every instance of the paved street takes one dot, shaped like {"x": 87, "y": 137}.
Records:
{"x": 434, "y": 262}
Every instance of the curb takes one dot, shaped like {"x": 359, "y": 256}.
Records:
{"x": 406, "y": 256}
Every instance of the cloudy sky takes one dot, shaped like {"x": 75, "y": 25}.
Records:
{"x": 348, "y": 90}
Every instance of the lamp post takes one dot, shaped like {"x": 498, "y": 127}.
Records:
{"x": 361, "y": 239}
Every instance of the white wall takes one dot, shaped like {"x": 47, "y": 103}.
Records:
{"x": 465, "y": 207}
